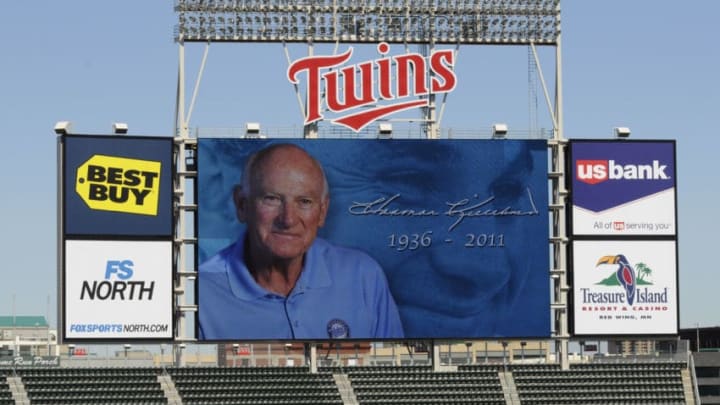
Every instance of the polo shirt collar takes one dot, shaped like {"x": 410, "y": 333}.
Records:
{"x": 315, "y": 274}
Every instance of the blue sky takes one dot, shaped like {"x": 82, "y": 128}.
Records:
{"x": 649, "y": 65}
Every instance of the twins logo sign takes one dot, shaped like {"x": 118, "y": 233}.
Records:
{"x": 383, "y": 90}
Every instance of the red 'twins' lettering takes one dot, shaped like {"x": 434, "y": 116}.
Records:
{"x": 340, "y": 84}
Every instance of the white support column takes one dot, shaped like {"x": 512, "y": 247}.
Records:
{"x": 436, "y": 356}
{"x": 183, "y": 205}
{"x": 181, "y": 131}
{"x": 310, "y": 131}
{"x": 59, "y": 241}
{"x": 313, "y": 358}
{"x": 559, "y": 197}
{"x": 431, "y": 117}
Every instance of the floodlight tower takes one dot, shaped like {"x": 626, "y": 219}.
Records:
{"x": 428, "y": 23}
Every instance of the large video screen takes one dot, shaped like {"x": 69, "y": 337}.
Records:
{"x": 410, "y": 239}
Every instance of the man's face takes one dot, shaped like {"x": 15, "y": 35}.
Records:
{"x": 285, "y": 206}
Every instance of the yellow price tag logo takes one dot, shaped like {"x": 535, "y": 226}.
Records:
{"x": 110, "y": 183}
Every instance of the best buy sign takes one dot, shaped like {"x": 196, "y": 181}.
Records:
{"x": 118, "y": 184}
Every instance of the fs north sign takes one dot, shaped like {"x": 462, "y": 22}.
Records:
{"x": 623, "y": 187}
{"x": 117, "y": 186}
{"x": 386, "y": 85}
{"x": 118, "y": 289}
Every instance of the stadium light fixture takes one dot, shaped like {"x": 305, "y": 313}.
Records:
{"x": 120, "y": 128}
{"x": 63, "y": 127}
{"x": 191, "y": 159}
{"x": 385, "y": 130}
{"x": 621, "y": 132}
{"x": 236, "y": 349}
{"x": 499, "y": 131}
{"x": 508, "y": 22}
{"x": 288, "y": 347}
{"x": 252, "y": 130}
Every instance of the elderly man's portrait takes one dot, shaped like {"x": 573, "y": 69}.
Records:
{"x": 278, "y": 279}
{"x": 422, "y": 239}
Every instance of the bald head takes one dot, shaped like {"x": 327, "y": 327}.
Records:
{"x": 280, "y": 155}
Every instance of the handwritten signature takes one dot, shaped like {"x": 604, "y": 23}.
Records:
{"x": 460, "y": 210}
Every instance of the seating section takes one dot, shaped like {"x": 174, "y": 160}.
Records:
{"x": 254, "y": 385}
{"x": 536, "y": 384}
{"x": 131, "y": 386}
{"x": 6, "y": 397}
{"x": 420, "y": 385}
{"x": 600, "y": 383}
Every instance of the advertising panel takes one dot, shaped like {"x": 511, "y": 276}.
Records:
{"x": 623, "y": 187}
{"x": 419, "y": 239}
{"x": 625, "y": 287}
{"x": 29, "y": 361}
{"x": 117, "y": 185}
{"x": 118, "y": 289}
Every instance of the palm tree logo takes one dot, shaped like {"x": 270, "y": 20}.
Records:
{"x": 643, "y": 271}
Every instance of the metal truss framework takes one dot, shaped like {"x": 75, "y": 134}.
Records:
{"x": 426, "y": 22}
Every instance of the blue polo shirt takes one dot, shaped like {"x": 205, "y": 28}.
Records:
{"x": 341, "y": 293}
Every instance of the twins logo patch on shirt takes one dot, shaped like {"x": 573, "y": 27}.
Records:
{"x": 338, "y": 329}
